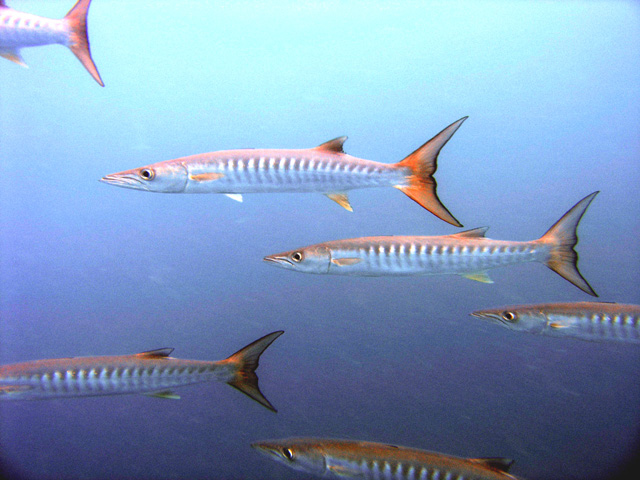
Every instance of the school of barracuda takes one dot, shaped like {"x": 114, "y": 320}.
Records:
{"x": 327, "y": 170}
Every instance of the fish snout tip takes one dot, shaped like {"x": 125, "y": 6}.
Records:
{"x": 276, "y": 259}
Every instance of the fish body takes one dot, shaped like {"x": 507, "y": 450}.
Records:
{"x": 19, "y": 30}
{"x": 469, "y": 254}
{"x": 594, "y": 321}
{"x": 330, "y": 458}
{"x": 153, "y": 372}
{"x": 324, "y": 169}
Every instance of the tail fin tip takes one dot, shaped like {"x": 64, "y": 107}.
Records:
{"x": 422, "y": 164}
{"x": 563, "y": 237}
{"x": 78, "y": 40}
{"x": 247, "y": 359}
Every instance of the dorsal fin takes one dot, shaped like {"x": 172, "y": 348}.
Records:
{"x": 473, "y": 233}
{"x": 334, "y": 145}
{"x": 159, "y": 352}
{"x": 495, "y": 463}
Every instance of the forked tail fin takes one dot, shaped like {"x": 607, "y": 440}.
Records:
{"x": 563, "y": 237}
{"x": 78, "y": 39}
{"x": 245, "y": 378}
{"x": 422, "y": 163}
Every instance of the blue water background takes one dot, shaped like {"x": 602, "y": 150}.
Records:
{"x": 552, "y": 91}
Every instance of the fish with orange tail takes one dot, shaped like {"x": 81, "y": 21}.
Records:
{"x": 19, "y": 30}
{"x": 324, "y": 169}
{"x": 153, "y": 373}
{"x": 328, "y": 458}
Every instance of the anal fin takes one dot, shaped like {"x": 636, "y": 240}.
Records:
{"x": 341, "y": 199}
{"x": 165, "y": 395}
{"x": 482, "y": 277}
{"x": 13, "y": 55}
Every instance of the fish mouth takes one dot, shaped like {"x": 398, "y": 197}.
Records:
{"x": 124, "y": 180}
{"x": 265, "y": 449}
{"x": 493, "y": 317}
{"x": 280, "y": 260}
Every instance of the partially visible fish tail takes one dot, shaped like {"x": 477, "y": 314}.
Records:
{"x": 422, "y": 164}
{"x": 563, "y": 237}
{"x": 245, "y": 378}
{"x": 78, "y": 39}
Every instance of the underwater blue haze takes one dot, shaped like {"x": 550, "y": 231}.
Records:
{"x": 552, "y": 91}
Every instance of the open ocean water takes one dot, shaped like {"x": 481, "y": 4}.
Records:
{"x": 552, "y": 90}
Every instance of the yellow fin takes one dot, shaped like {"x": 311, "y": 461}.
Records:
{"x": 341, "y": 471}
{"x": 482, "y": 277}
{"x": 342, "y": 262}
{"x": 165, "y": 395}
{"x": 206, "y": 177}
{"x": 13, "y": 56}
{"x": 9, "y": 389}
{"x": 341, "y": 199}
{"x": 558, "y": 325}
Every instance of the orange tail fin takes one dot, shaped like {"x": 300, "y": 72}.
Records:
{"x": 423, "y": 163}
{"x": 78, "y": 39}
{"x": 563, "y": 237}
{"x": 246, "y": 359}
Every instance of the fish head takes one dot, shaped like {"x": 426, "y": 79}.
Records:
{"x": 519, "y": 318}
{"x": 312, "y": 259}
{"x": 165, "y": 177}
{"x": 298, "y": 454}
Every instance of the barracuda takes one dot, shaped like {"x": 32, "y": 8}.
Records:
{"x": 153, "y": 373}
{"x": 19, "y": 30}
{"x": 469, "y": 254}
{"x": 367, "y": 460}
{"x": 594, "y": 321}
{"x": 324, "y": 169}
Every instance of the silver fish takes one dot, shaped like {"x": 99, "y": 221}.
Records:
{"x": 330, "y": 458}
{"x": 595, "y": 321}
{"x": 324, "y": 169}
{"x": 469, "y": 254}
{"x": 152, "y": 373}
{"x": 19, "y": 30}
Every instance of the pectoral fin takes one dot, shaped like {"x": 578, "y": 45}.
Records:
{"x": 13, "y": 55}
{"x": 165, "y": 394}
{"x": 9, "y": 389}
{"x": 558, "y": 325}
{"x": 234, "y": 196}
{"x": 343, "y": 262}
{"x": 206, "y": 177}
{"x": 482, "y": 277}
{"x": 345, "y": 472}
{"x": 341, "y": 199}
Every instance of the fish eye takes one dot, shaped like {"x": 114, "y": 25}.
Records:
{"x": 297, "y": 257}
{"x": 147, "y": 174}
{"x": 509, "y": 316}
{"x": 288, "y": 454}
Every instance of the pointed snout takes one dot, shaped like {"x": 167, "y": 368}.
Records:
{"x": 487, "y": 315}
{"x": 266, "y": 448}
{"x": 123, "y": 179}
{"x": 279, "y": 259}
